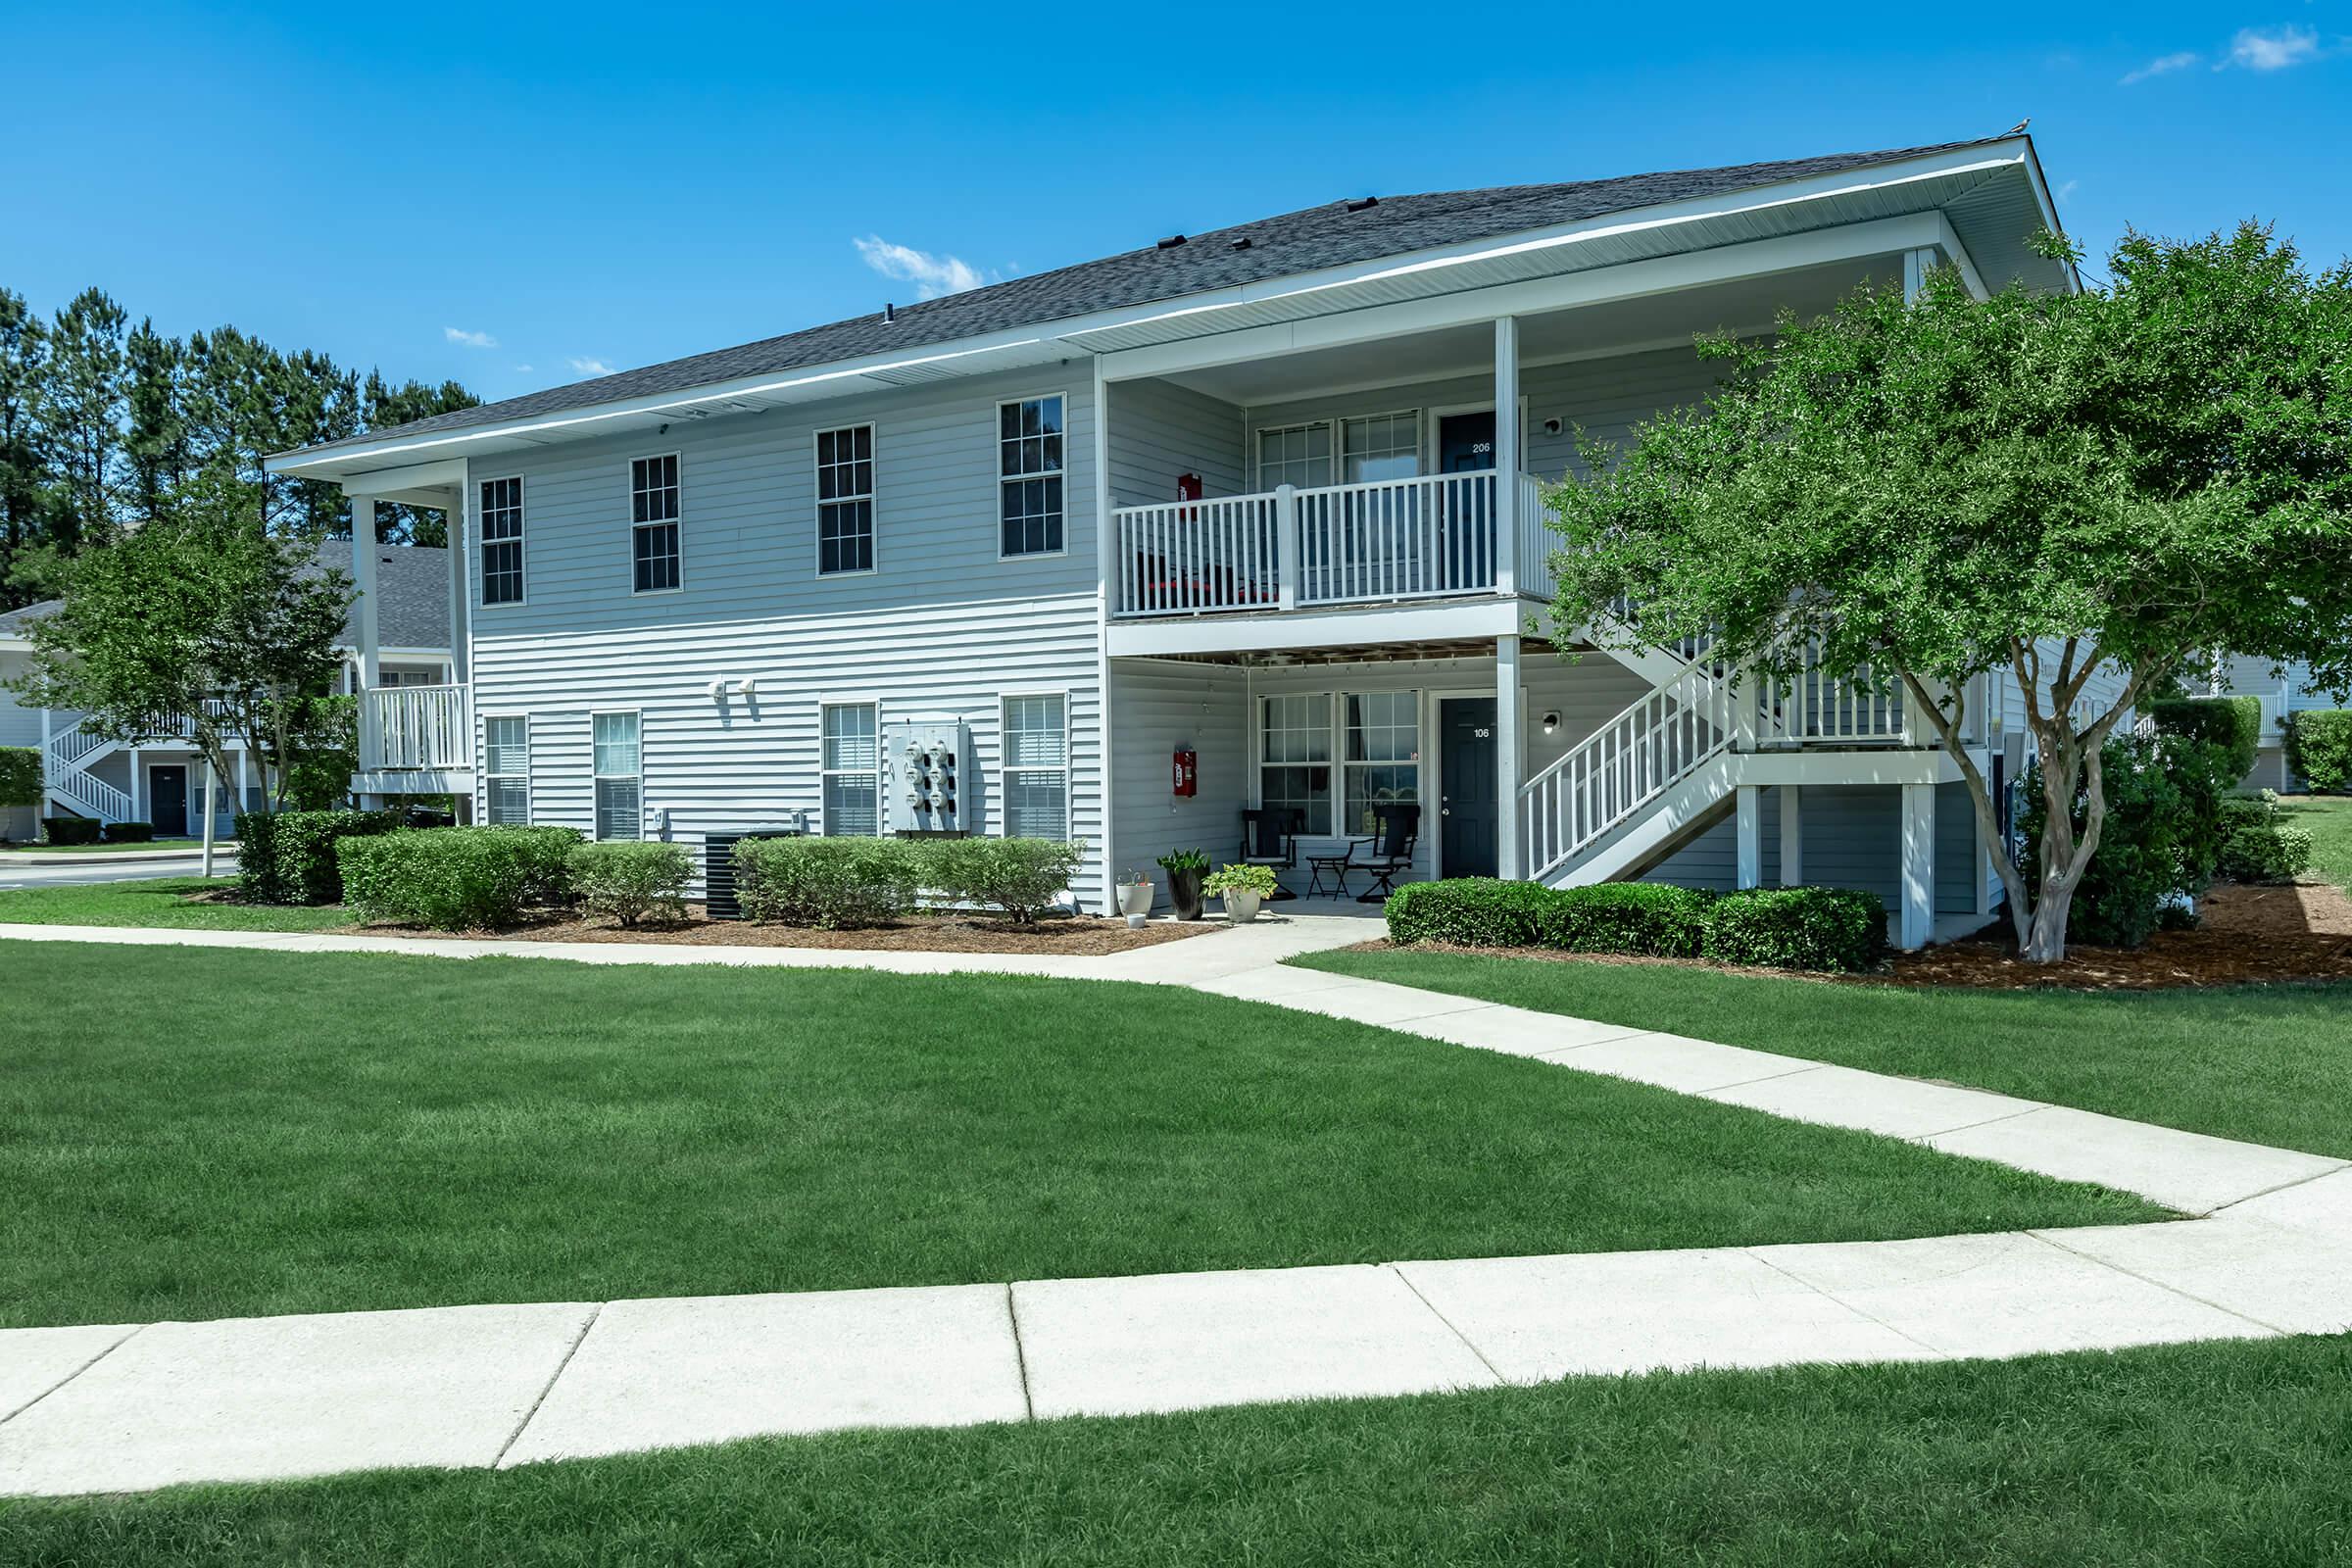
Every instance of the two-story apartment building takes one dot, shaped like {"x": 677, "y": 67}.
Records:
{"x": 158, "y": 778}
{"x": 1268, "y": 496}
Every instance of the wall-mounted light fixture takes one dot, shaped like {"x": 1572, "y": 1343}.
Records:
{"x": 1551, "y": 428}
{"x": 1552, "y": 722}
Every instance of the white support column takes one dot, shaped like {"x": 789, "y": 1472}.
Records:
{"x": 363, "y": 578}
{"x": 1916, "y": 266}
{"x": 244, "y": 782}
{"x": 138, "y": 786}
{"x": 1286, "y": 546}
{"x": 1507, "y": 454}
{"x": 1508, "y": 763}
{"x": 1106, "y": 566}
{"x": 1917, "y": 918}
{"x": 1750, "y": 809}
{"x": 1792, "y": 836}
{"x": 459, "y": 649}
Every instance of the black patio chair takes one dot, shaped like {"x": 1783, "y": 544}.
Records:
{"x": 1270, "y": 837}
{"x": 1389, "y": 851}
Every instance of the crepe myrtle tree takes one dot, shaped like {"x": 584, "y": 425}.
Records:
{"x": 2065, "y": 493}
{"x": 199, "y": 617}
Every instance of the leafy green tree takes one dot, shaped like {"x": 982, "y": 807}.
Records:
{"x": 198, "y": 617}
{"x": 156, "y": 445}
{"x": 2035, "y": 489}
{"x": 23, "y": 469}
{"x": 82, "y": 413}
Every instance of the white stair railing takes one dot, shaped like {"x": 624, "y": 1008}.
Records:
{"x": 1618, "y": 770}
{"x": 65, "y": 775}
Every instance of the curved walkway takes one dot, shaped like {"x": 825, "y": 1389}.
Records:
{"x": 126, "y": 1407}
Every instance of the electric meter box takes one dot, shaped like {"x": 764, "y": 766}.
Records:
{"x": 925, "y": 767}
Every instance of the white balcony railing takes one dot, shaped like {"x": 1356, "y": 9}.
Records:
{"x": 1427, "y": 537}
{"x": 407, "y": 729}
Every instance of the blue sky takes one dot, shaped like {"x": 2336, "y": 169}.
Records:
{"x": 517, "y": 198}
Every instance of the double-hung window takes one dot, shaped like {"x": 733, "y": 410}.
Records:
{"x": 502, "y": 541}
{"x": 1381, "y": 446}
{"x": 851, "y": 766}
{"x": 653, "y": 524}
{"x": 1029, "y": 477}
{"x": 1383, "y": 764}
{"x": 1037, "y": 768}
{"x": 845, "y": 499}
{"x": 1294, "y": 757}
{"x": 1295, "y": 455}
{"x": 618, "y": 761}
{"x": 507, "y": 771}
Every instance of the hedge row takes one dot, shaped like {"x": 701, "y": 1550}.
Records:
{"x": 456, "y": 878}
{"x": 289, "y": 856}
{"x": 2318, "y": 747}
{"x": 2257, "y": 844}
{"x": 1789, "y": 928}
{"x": 832, "y": 883}
{"x": 2234, "y": 723}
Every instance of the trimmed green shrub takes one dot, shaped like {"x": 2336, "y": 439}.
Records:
{"x": 1470, "y": 913}
{"x": 1020, "y": 878}
{"x": 2162, "y": 836}
{"x": 830, "y": 883}
{"x": 1655, "y": 918}
{"x": 2234, "y": 723}
{"x": 289, "y": 856}
{"x": 2258, "y": 845}
{"x": 2318, "y": 747}
{"x": 19, "y": 777}
{"x": 1839, "y": 929}
{"x": 130, "y": 832}
{"x": 70, "y": 829}
{"x": 630, "y": 881}
{"x": 456, "y": 878}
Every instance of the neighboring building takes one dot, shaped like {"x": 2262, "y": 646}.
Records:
{"x": 162, "y": 780}
{"x": 1234, "y": 494}
{"x": 2284, "y": 690}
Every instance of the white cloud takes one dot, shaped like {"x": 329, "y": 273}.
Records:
{"x": 932, "y": 275}
{"x": 588, "y": 367}
{"x": 2274, "y": 50}
{"x": 473, "y": 341}
{"x": 522, "y": 370}
{"x": 2068, "y": 188}
{"x": 2162, "y": 65}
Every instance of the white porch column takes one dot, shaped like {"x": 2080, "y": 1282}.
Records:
{"x": 1792, "y": 836}
{"x": 1507, "y": 454}
{"x": 363, "y": 578}
{"x": 457, "y": 556}
{"x": 1916, "y": 920}
{"x": 1508, "y": 763}
{"x": 1916, "y": 266}
{"x": 1751, "y": 809}
{"x": 244, "y": 782}
{"x": 138, "y": 786}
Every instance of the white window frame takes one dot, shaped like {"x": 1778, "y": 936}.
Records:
{"x": 520, "y": 541}
{"x": 1005, "y": 771}
{"x": 676, "y": 522}
{"x": 1258, "y": 449}
{"x": 1335, "y": 743}
{"x": 1339, "y": 443}
{"x": 596, "y": 804}
{"x": 873, "y": 519}
{"x": 996, "y": 434}
{"x": 1424, "y": 460}
{"x": 490, "y": 780}
{"x": 879, "y": 775}
{"x": 1418, "y": 761}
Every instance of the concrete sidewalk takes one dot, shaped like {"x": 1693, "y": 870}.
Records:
{"x": 124, "y": 1409}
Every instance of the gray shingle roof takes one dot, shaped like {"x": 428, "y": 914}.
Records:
{"x": 1334, "y": 234}
{"x": 412, "y": 586}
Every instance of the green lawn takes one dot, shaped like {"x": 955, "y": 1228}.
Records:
{"x": 2327, "y": 818}
{"x": 112, "y": 849}
{"x": 202, "y": 1133}
{"x": 2216, "y": 1454}
{"x": 160, "y": 901}
{"x": 2272, "y": 1064}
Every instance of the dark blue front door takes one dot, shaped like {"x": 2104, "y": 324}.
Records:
{"x": 167, "y": 801}
{"x": 1466, "y": 772}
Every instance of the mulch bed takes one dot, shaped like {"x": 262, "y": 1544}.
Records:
{"x": 2247, "y": 935}
{"x": 1077, "y": 936}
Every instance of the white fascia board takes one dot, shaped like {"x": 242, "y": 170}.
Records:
{"x": 1626, "y": 280}
{"x": 1447, "y": 621}
{"x": 1816, "y": 764}
{"x": 1875, "y": 177}
{"x": 389, "y": 484}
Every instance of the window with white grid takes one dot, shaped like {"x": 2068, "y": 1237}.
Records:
{"x": 1382, "y": 446}
{"x": 502, "y": 541}
{"x": 653, "y": 524}
{"x": 1037, "y": 768}
{"x": 845, "y": 499}
{"x": 1029, "y": 477}
{"x": 1294, "y": 757}
{"x": 851, "y": 766}
{"x": 1383, "y": 764}
{"x": 507, "y": 771}
{"x": 617, "y": 763}
{"x": 1295, "y": 455}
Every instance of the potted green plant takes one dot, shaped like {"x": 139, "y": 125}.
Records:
{"x": 1135, "y": 898}
{"x": 1242, "y": 887}
{"x": 1184, "y": 868}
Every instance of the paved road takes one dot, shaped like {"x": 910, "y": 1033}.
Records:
{"x": 62, "y": 877}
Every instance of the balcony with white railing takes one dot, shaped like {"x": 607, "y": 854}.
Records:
{"x": 1384, "y": 541}
{"x": 413, "y": 729}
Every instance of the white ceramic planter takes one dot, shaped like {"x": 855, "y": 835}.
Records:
{"x": 1241, "y": 905}
{"x": 1135, "y": 898}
